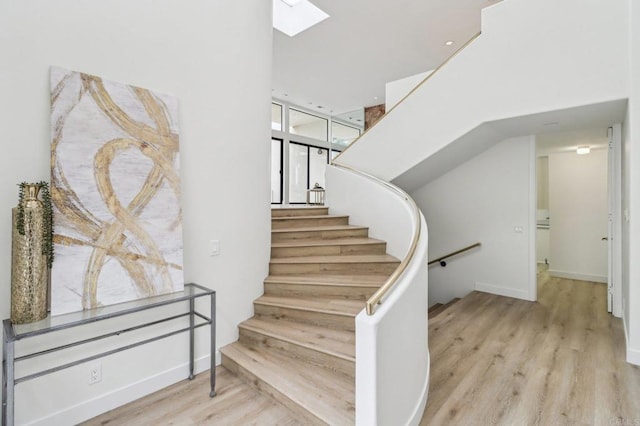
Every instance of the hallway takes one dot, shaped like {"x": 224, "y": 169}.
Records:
{"x": 497, "y": 360}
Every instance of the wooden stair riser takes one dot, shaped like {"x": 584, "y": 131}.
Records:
{"x": 324, "y": 291}
{"x": 439, "y": 308}
{"x": 254, "y": 339}
{"x": 248, "y": 377}
{"x": 308, "y": 222}
{"x": 329, "y": 250}
{"x": 336, "y": 268}
{"x": 340, "y": 322}
{"x": 319, "y": 234}
{"x": 302, "y": 211}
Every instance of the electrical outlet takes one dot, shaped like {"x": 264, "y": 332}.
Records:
{"x": 95, "y": 373}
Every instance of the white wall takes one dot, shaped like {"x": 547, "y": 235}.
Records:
{"x": 530, "y": 58}
{"x": 578, "y": 209}
{"x": 398, "y": 89}
{"x": 632, "y": 192}
{"x": 542, "y": 179}
{"x": 216, "y": 58}
{"x": 483, "y": 200}
{"x": 371, "y": 205}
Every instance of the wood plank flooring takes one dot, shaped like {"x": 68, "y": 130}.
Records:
{"x": 188, "y": 403}
{"x": 494, "y": 360}
{"x": 560, "y": 361}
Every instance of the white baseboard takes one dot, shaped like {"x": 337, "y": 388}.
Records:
{"x": 119, "y": 397}
{"x": 502, "y": 291}
{"x": 633, "y": 355}
{"x": 577, "y": 276}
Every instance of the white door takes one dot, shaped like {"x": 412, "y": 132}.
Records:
{"x": 609, "y": 237}
{"x": 614, "y": 246}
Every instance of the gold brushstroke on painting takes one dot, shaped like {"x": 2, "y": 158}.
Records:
{"x": 109, "y": 238}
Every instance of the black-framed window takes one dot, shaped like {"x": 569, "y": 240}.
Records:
{"x": 276, "y": 171}
{"x": 307, "y": 165}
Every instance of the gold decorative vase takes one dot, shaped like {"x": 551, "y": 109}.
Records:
{"x": 29, "y": 264}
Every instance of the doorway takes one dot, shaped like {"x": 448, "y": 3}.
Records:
{"x": 578, "y": 176}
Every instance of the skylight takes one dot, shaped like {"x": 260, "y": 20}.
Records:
{"x": 294, "y": 16}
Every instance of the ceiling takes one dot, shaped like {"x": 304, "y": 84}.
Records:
{"x": 344, "y": 62}
{"x": 594, "y": 137}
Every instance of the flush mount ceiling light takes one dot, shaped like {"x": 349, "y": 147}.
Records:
{"x": 582, "y": 150}
{"x": 294, "y": 16}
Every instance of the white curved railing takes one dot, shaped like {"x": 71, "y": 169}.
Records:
{"x": 392, "y": 354}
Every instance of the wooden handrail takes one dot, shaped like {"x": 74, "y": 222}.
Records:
{"x": 434, "y": 72}
{"x": 454, "y": 253}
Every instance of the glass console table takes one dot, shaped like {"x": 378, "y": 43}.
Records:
{"x": 13, "y": 333}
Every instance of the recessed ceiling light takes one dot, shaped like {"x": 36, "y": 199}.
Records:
{"x": 320, "y": 107}
{"x": 448, "y": 42}
{"x": 294, "y": 16}
{"x": 582, "y": 150}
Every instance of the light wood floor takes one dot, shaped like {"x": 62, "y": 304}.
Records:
{"x": 494, "y": 360}
{"x": 560, "y": 361}
{"x": 188, "y": 403}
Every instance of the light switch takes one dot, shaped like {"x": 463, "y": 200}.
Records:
{"x": 518, "y": 229}
{"x": 214, "y": 247}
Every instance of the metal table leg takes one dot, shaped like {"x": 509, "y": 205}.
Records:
{"x": 8, "y": 376}
{"x": 212, "y": 372}
{"x": 192, "y": 320}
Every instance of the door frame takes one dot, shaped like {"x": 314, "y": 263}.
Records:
{"x": 615, "y": 218}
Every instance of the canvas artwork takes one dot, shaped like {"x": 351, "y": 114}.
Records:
{"x": 115, "y": 189}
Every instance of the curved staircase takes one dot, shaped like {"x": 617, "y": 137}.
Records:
{"x": 299, "y": 347}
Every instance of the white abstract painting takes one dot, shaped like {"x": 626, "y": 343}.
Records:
{"x": 115, "y": 189}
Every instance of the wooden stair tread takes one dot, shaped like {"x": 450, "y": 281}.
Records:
{"x": 355, "y": 258}
{"x": 338, "y": 343}
{"x": 299, "y": 210}
{"x": 345, "y": 307}
{"x": 320, "y": 228}
{"x": 295, "y": 218}
{"x": 327, "y": 395}
{"x": 327, "y": 242}
{"x": 335, "y": 280}
{"x": 438, "y": 308}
